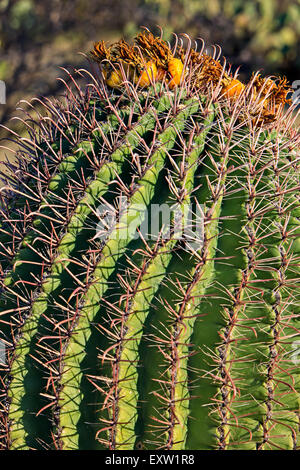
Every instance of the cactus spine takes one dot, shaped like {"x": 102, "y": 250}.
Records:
{"x": 181, "y": 338}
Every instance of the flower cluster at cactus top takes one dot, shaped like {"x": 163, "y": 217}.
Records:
{"x": 150, "y": 59}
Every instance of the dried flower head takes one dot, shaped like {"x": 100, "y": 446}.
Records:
{"x": 101, "y": 52}
{"x": 155, "y": 48}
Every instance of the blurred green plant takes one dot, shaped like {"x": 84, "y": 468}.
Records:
{"x": 270, "y": 29}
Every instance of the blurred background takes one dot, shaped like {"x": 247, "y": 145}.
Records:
{"x": 39, "y": 36}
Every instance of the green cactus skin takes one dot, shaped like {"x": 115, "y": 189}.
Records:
{"x": 128, "y": 342}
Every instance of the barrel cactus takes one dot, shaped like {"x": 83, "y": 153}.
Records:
{"x": 150, "y": 259}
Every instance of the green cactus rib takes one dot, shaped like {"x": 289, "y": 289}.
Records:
{"x": 97, "y": 187}
{"x": 233, "y": 317}
{"x": 226, "y": 276}
{"x": 274, "y": 391}
{"x": 122, "y": 432}
{"x": 238, "y": 412}
{"x": 210, "y": 323}
{"x": 173, "y": 397}
{"x": 71, "y": 377}
{"x": 186, "y": 314}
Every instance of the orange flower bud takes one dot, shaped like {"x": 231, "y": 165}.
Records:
{"x": 234, "y": 88}
{"x": 175, "y": 68}
{"x": 148, "y": 75}
{"x": 114, "y": 79}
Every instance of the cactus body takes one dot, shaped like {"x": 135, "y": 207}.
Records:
{"x": 180, "y": 337}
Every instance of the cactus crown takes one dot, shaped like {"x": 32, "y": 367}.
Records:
{"x": 202, "y": 70}
{"x": 124, "y": 328}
